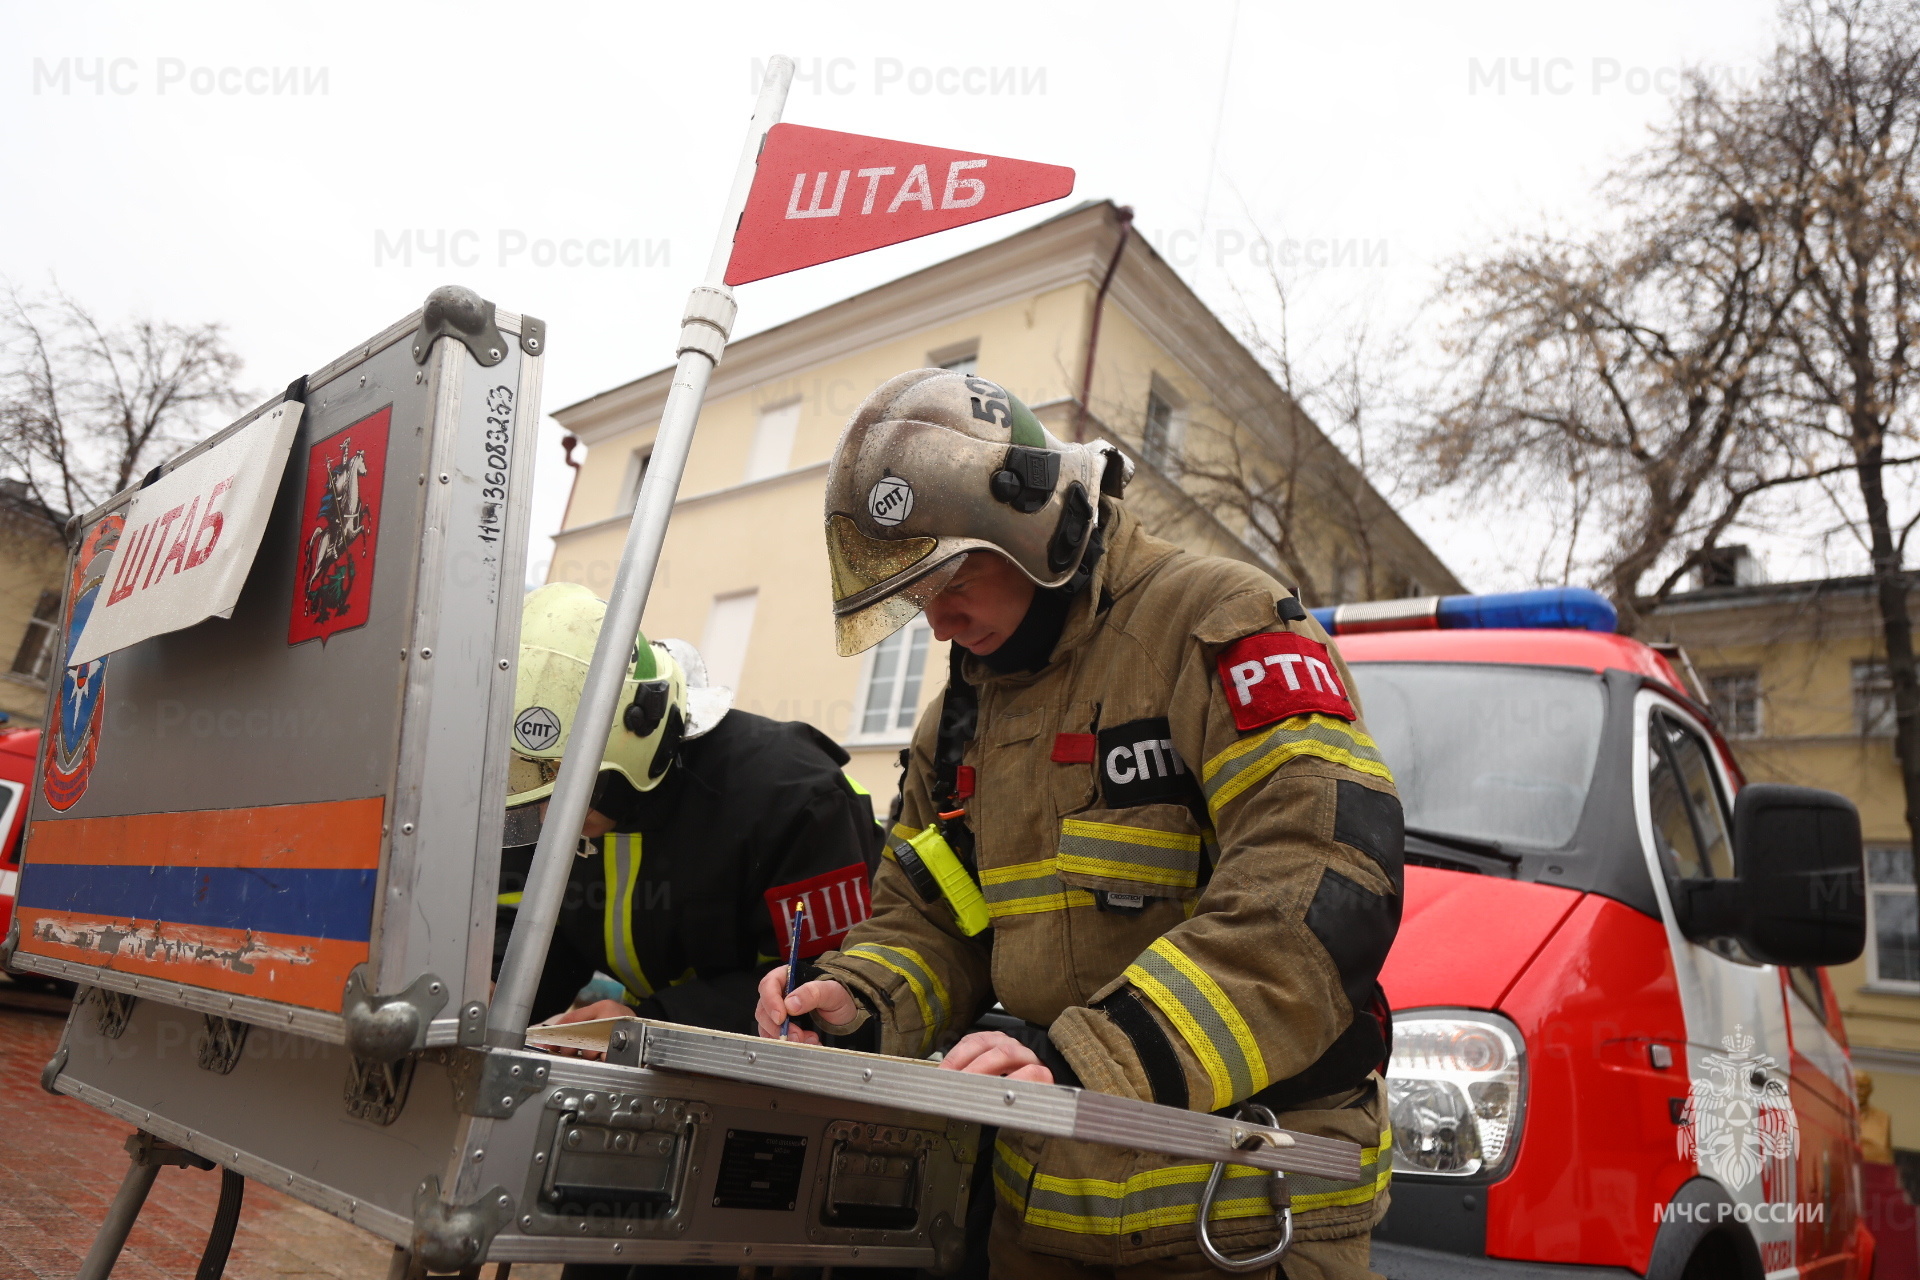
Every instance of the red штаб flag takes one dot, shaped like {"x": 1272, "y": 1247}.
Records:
{"x": 819, "y": 195}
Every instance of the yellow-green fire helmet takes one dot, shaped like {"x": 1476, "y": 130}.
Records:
{"x": 559, "y": 624}
{"x": 936, "y": 464}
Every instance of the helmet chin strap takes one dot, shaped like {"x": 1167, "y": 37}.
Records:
{"x": 1030, "y": 647}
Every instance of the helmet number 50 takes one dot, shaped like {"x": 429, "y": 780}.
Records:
{"x": 990, "y": 403}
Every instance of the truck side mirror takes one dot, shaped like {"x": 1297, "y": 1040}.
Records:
{"x": 1802, "y": 875}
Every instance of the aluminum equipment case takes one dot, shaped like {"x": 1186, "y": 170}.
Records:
{"x": 268, "y": 847}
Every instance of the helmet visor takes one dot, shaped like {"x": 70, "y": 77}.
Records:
{"x": 861, "y": 563}
{"x": 858, "y": 627}
{"x": 529, "y": 779}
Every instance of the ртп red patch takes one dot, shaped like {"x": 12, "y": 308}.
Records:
{"x": 836, "y": 901}
{"x": 1278, "y": 674}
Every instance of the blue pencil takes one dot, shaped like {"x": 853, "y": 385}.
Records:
{"x": 793, "y": 958}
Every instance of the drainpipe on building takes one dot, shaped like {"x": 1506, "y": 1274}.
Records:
{"x": 1124, "y": 214}
{"x": 568, "y": 443}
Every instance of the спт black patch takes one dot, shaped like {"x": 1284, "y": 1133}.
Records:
{"x": 1138, "y": 765}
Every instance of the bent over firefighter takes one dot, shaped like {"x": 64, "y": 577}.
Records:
{"x": 1148, "y": 821}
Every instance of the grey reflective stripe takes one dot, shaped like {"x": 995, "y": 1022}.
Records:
{"x": 1166, "y": 1197}
{"x": 928, "y": 994}
{"x": 1009, "y": 1177}
{"x": 1028, "y": 888}
{"x": 1250, "y": 759}
{"x": 622, "y": 855}
{"x": 1206, "y": 1019}
{"x": 1121, "y": 852}
{"x": 1169, "y": 1196}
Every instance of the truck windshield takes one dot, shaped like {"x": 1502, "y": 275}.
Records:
{"x": 1484, "y": 752}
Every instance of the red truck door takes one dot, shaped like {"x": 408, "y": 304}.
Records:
{"x": 1821, "y": 1083}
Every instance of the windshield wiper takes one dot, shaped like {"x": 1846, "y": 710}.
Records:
{"x": 1476, "y": 848}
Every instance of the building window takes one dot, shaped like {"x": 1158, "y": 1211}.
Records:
{"x": 34, "y": 658}
{"x": 1728, "y": 567}
{"x": 957, "y": 357}
{"x": 1735, "y": 696}
{"x": 1893, "y": 917}
{"x": 772, "y": 450}
{"x": 724, "y": 643}
{"x": 1157, "y": 437}
{"x": 890, "y": 696}
{"x": 1872, "y": 699}
{"x": 636, "y": 473}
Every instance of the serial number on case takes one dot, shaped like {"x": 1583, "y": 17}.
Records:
{"x": 499, "y": 441}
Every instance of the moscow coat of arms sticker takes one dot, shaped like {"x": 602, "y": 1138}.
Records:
{"x": 339, "y": 529}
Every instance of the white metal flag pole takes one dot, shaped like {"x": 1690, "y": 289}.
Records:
{"x": 703, "y": 336}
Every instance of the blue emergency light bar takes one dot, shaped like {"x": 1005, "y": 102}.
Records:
{"x": 1554, "y": 608}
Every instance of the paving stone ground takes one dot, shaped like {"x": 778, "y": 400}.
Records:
{"x": 62, "y": 1161}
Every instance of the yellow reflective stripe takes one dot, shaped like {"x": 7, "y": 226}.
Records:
{"x": 1040, "y": 904}
{"x": 1027, "y": 889}
{"x": 620, "y": 854}
{"x": 1306, "y": 1192}
{"x": 1205, "y": 1018}
{"x": 1170, "y": 1196}
{"x": 1190, "y": 1030}
{"x": 855, "y": 784}
{"x": 920, "y": 979}
{"x": 1229, "y": 775}
{"x": 1146, "y": 836}
{"x": 508, "y": 899}
{"x": 1011, "y": 1174}
{"x": 1129, "y": 853}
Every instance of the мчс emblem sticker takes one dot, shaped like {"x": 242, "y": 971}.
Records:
{"x": 74, "y": 735}
{"x": 339, "y": 530}
{"x": 890, "y": 500}
{"x": 536, "y": 729}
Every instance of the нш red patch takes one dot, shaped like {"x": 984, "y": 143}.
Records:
{"x": 836, "y": 901}
{"x": 1278, "y": 674}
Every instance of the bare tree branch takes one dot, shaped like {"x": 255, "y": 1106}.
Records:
{"x": 86, "y": 408}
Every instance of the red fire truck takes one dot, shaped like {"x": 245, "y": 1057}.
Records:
{"x": 1615, "y": 1049}
{"x": 19, "y": 751}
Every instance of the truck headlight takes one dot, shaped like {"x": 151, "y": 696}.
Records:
{"x": 1455, "y": 1089}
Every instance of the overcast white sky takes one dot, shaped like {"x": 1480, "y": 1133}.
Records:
{"x": 169, "y": 186}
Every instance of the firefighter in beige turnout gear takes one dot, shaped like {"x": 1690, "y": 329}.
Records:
{"x": 1148, "y": 821}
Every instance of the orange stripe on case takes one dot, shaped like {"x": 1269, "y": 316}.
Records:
{"x": 335, "y": 834}
{"x": 308, "y": 972}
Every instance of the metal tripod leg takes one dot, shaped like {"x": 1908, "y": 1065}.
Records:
{"x": 148, "y": 1154}
{"x": 112, "y": 1236}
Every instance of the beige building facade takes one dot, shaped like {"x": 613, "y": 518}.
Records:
{"x": 744, "y": 571}
{"x": 33, "y": 558}
{"x": 1797, "y": 676}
